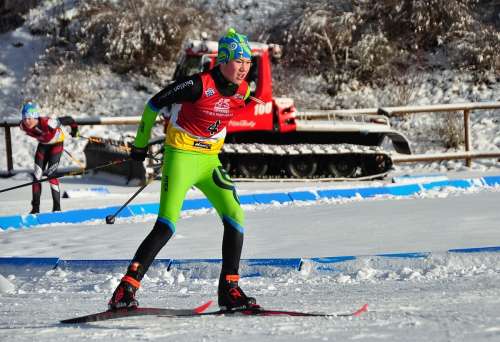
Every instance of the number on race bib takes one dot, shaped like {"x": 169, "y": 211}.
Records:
{"x": 214, "y": 128}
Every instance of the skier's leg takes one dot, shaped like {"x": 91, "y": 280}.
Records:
{"x": 36, "y": 188}
{"x": 221, "y": 192}
{"x": 178, "y": 173}
{"x": 54, "y": 156}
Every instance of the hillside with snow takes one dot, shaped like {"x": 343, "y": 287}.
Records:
{"x": 427, "y": 262}
{"x": 67, "y": 60}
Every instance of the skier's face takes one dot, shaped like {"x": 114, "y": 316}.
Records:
{"x": 236, "y": 70}
{"x": 30, "y": 122}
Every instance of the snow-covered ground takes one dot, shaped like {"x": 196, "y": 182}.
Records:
{"x": 440, "y": 298}
{"x": 443, "y": 297}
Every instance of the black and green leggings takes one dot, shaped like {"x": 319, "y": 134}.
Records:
{"x": 181, "y": 171}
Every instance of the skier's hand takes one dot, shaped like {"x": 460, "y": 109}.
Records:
{"x": 74, "y": 130}
{"x": 138, "y": 153}
{"x": 69, "y": 121}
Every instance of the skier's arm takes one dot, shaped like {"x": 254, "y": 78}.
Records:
{"x": 187, "y": 90}
{"x": 69, "y": 121}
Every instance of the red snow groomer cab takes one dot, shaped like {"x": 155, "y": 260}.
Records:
{"x": 270, "y": 138}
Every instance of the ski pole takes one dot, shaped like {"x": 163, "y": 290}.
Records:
{"x": 110, "y": 219}
{"x": 98, "y": 140}
{"x": 71, "y": 173}
{"x": 74, "y": 159}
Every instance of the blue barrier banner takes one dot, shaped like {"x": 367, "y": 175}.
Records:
{"x": 274, "y": 262}
{"x": 193, "y": 204}
{"x": 29, "y": 261}
{"x": 7, "y": 222}
{"x": 78, "y": 216}
{"x": 279, "y": 197}
{"x": 338, "y": 193}
{"x": 476, "y": 250}
{"x": 330, "y": 260}
{"x": 458, "y": 183}
{"x": 29, "y": 220}
{"x": 414, "y": 255}
{"x": 492, "y": 180}
{"x": 144, "y": 209}
{"x": 247, "y": 199}
{"x": 373, "y": 192}
{"x": 303, "y": 196}
{"x": 404, "y": 190}
{"x": 110, "y": 263}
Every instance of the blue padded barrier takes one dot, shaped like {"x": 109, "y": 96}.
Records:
{"x": 29, "y": 261}
{"x": 11, "y": 222}
{"x": 279, "y": 197}
{"x": 110, "y": 263}
{"x": 29, "y": 220}
{"x": 303, "y": 196}
{"x": 77, "y": 216}
{"x": 211, "y": 267}
{"x": 373, "y": 192}
{"x": 411, "y": 255}
{"x": 492, "y": 180}
{"x": 404, "y": 190}
{"x": 247, "y": 199}
{"x": 293, "y": 263}
{"x": 457, "y": 183}
{"x": 144, "y": 209}
{"x": 476, "y": 250}
{"x": 338, "y": 193}
{"x": 331, "y": 260}
{"x": 193, "y": 204}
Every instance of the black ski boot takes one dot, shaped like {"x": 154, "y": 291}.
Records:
{"x": 231, "y": 296}
{"x": 35, "y": 210}
{"x": 124, "y": 295}
{"x": 56, "y": 207}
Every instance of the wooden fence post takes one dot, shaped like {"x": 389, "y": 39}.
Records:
{"x": 8, "y": 149}
{"x": 468, "y": 161}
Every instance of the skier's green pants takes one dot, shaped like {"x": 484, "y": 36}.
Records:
{"x": 181, "y": 171}
{"x": 184, "y": 169}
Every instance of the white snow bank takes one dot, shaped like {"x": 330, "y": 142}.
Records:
{"x": 6, "y": 286}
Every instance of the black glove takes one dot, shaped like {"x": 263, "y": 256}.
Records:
{"x": 138, "y": 153}
{"x": 74, "y": 130}
{"x": 69, "y": 121}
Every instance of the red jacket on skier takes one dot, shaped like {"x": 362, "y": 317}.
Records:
{"x": 50, "y": 138}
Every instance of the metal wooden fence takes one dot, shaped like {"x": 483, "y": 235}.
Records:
{"x": 468, "y": 155}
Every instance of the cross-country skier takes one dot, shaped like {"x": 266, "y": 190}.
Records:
{"x": 194, "y": 137}
{"x": 50, "y": 138}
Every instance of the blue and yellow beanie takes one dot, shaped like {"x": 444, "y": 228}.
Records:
{"x": 233, "y": 46}
{"x": 30, "y": 110}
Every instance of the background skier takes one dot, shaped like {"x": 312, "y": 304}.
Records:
{"x": 50, "y": 138}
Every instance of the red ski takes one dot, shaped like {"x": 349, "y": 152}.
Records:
{"x": 259, "y": 311}
{"x": 136, "y": 311}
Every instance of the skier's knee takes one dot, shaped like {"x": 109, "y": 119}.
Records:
{"x": 163, "y": 225}
{"x": 232, "y": 224}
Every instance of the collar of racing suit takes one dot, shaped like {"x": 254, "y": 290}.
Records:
{"x": 225, "y": 87}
